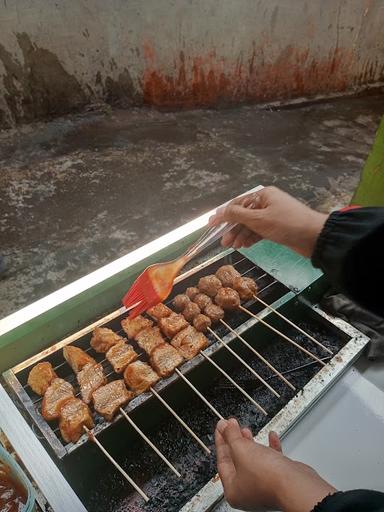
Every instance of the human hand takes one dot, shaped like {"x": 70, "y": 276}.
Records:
{"x": 273, "y": 215}
{"x": 254, "y": 475}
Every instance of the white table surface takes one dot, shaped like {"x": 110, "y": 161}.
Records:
{"x": 342, "y": 436}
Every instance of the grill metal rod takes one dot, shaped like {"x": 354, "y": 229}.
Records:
{"x": 207, "y": 403}
{"x": 282, "y": 335}
{"x": 180, "y": 420}
{"x": 251, "y": 383}
{"x": 262, "y": 358}
{"x": 268, "y": 306}
{"x": 92, "y": 437}
{"x": 244, "y": 363}
{"x": 149, "y": 442}
{"x": 258, "y": 406}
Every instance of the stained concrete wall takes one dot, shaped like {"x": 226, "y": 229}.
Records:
{"x": 59, "y": 56}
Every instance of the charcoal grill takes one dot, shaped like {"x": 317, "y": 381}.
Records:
{"x": 286, "y": 281}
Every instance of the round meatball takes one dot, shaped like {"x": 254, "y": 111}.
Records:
{"x": 180, "y": 301}
{"x": 214, "y": 312}
{"x": 190, "y": 311}
{"x": 227, "y": 298}
{"x": 209, "y": 285}
{"x": 227, "y": 274}
{"x": 202, "y": 322}
{"x": 191, "y": 292}
{"x": 245, "y": 287}
{"x": 202, "y": 300}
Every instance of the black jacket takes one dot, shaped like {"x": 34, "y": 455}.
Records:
{"x": 350, "y": 252}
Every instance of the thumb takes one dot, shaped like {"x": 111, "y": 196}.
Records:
{"x": 274, "y": 441}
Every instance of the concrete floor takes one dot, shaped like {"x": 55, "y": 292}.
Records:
{"x": 83, "y": 190}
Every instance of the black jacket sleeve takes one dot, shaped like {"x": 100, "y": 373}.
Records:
{"x": 350, "y": 252}
{"x": 352, "y": 501}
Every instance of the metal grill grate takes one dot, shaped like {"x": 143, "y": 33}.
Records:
{"x": 156, "y": 430}
{"x": 269, "y": 289}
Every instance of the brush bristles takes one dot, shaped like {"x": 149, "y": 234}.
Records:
{"x": 141, "y": 291}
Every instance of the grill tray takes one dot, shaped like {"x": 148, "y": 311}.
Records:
{"x": 16, "y": 378}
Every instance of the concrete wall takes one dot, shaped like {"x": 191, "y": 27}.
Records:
{"x": 59, "y": 56}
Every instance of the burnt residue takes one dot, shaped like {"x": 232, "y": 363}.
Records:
{"x": 102, "y": 488}
{"x": 166, "y": 491}
{"x": 39, "y": 85}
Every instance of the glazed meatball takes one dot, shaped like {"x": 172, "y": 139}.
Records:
{"x": 209, "y": 285}
{"x": 227, "y": 298}
{"x": 202, "y": 300}
{"x": 191, "y": 292}
{"x": 214, "y": 312}
{"x": 180, "y": 301}
{"x": 202, "y": 322}
{"x": 190, "y": 311}
{"x": 245, "y": 287}
{"x": 227, "y": 275}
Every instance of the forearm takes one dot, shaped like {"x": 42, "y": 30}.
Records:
{"x": 302, "y": 489}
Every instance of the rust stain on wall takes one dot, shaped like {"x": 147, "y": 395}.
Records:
{"x": 209, "y": 80}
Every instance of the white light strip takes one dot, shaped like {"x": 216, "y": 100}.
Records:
{"x": 69, "y": 291}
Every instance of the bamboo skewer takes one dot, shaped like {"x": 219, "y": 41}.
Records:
{"x": 199, "y": 394}
{"x": 149, "y": 442}
{"x": 244, "y": 363}
{"x": 258, "y": 406}
{"x": 293, "y": 324}
{"x": 262, "y": 358}
{"x": 117, "y": 466}
{"x": 282, "y": 335}
{"x": 187, "y": 428}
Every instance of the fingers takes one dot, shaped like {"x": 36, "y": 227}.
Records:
{"x": 274, "y": 441}
{"x": 251, "y": 240}
{"x": 225, "y": 465}
{"x": 247, "y": 433}
{"x": 238, "y": 214}
{"x": 229, "y": 237}
{"x": 232, "y": 431}
{"x": 245, "y": 201}
{"x": 234, "y": 211}
{"x": 241, "y": 238}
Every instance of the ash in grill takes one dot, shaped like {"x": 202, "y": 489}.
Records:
{"x": 237, "y": 393}
{"x": 167, "y": 492}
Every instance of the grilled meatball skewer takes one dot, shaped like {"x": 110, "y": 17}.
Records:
{"x": 214, "y": 313}
{"x": 209, "y": 285}
{"x": 202, "y": 322}
{"x": 190, "y": 311}
{"x": 245, "y": 287}
{"x": 227, "y": 275}
{"x": 202, "y": 300}
{"x": 228, "y": 299}
{"x": 180, "y": 302}
{"x": 191, "y": 292}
